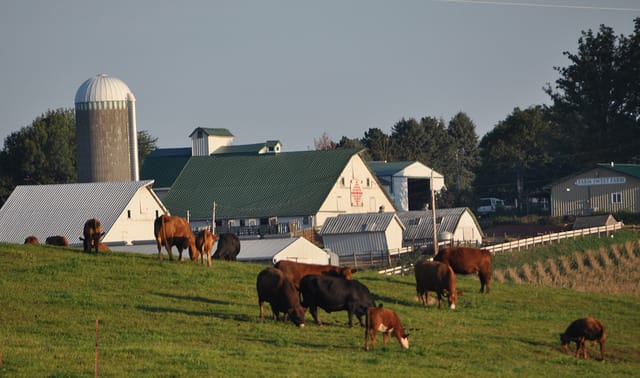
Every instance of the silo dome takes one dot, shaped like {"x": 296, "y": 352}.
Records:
{"x": 103, "y": 88}
{"x": 106, "y": 136}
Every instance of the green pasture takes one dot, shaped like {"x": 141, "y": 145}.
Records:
{"x": 162, "y": 318}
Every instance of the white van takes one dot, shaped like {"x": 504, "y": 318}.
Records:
{"x": 489, "y": 205}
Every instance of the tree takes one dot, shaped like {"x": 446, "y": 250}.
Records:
{"x": 596, "y": 100}
{"x": 516, "y": 155}
{"x": 463, "y": 135}
{"x": 377, "y": 144}
{"x": 324, "y": 143}
{"x": 146, "y": 144}
{"x": 43, "y": 153}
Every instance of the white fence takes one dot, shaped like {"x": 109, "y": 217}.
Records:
{"x": 525, "y": 243}
{"x": 550, "y": 238}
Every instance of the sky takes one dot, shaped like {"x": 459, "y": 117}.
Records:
{"x": 293, "y": 70}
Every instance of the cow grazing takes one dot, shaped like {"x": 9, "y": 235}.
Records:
{"x": 57, "y": 240}
{"x": 278, "y": 290}
{"x": 228, "y": 247}
{"x": 295, "y": 270}
{"x": 438, "y": 277}
{"x": 31, "y": 240}
{"x": 174, "y": 231}
{"x": 204, "y": 245}
{"x": 582, "y": 330}
{"x": 335, "y": 294}
{"x": 92, "y": 233}
{"x": 465, "y": 260}
{"x": 386, "y": 321}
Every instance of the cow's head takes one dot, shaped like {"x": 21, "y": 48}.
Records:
{"x": 346, "y": 272}
{"x": 452, "y": 297}
{"x": 404, "y": 341}
{"x": 296, "y": 314}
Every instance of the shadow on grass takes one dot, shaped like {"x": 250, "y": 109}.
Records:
{"x": 224, "y": 316}
{"x": 193, "y": 299}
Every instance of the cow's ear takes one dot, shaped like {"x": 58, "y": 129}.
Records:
{"x": 406, "y": 336}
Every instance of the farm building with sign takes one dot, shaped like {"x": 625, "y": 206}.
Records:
{"x": 607, "y": 188}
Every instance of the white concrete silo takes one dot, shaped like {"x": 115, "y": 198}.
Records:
{"x": 106, "y": 135}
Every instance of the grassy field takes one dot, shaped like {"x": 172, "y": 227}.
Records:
{"x": 162, "y": 318}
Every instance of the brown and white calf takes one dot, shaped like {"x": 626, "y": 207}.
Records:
{"x": 386, "y": 321}
{"x": 581, "y": 330}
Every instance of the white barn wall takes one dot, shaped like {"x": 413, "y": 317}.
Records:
{"x": 339, "y": 199}
{"x": 139, "y": 227}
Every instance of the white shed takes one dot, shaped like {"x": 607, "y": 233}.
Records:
{"x": 126, "y": 211}
{"x": 460, "y": 223}
{"x": 276, "y": 249}
{"x": 349, "y": 235}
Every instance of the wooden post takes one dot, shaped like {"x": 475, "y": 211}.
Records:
{"x": 97, "y": 348}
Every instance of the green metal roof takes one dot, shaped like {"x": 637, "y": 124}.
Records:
{"x": 213, "y": 132}
{"x": 163, "y": 168}
{"x": 254, "y": 186}
{"x": 627, "y": 169}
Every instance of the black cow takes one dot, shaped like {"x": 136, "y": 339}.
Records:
{"x": 274, "y": 287}
{"x": 228, "y": 247}
{"x": 332, "y": 293}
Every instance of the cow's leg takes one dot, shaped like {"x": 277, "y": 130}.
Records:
{"x": 601, "y": 350}
{"x": 209, "y": 258}
{"x": 314, "y": 312}
{"x": 261, "y": 304}
{"x": 385, "y": 337}
{"x": 373, "y": 337}
{"x": 439, "y": 299}
{"x": 159, "y": 243}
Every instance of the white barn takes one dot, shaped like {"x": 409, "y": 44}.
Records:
{"x": 349, "y": 235}
{"x": 126, "y": 210}
{"x": 275, "y": 249}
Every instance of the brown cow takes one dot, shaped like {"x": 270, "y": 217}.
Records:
{"x": 31, "y": 240}
{"x": 438, "y": 277}
{"x": 92, "y": 233}
{"x": 174, "y": 231}
{"x": 581, "y": 330}
{"x": 465, "y": 260}
{"x": 204, "y": 244}
{"x": 58, "y": 240}
{"x": 278, "y": 290}
{"x": 295, "y": 270}
{"x": 386, "y": 321}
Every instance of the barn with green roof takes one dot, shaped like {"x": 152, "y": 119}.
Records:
{"x": 279, "y": 190}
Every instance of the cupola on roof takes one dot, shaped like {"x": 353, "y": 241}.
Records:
{"x": 103, "y": 88}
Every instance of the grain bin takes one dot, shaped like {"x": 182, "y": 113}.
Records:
{"x": 106, "y": 133}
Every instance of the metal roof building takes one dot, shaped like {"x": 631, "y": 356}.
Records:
{"x": 357, "y": 234}
{"x": 302, "y": 188}
{"x": 605, "y": 188}
{"x": 294, "y": 249}
{"x": 408, "y": 183}
{"x": 459, "y": 222}
{"x": 126, "y": 210}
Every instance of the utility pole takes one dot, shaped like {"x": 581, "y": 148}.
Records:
{"x": 433, "y": 212}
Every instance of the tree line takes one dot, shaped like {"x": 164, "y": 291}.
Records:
{"x": 594, "y": 117}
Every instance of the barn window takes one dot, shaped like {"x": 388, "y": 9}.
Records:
{"x": 368, "y": 182}
{"x": 616, "y": 197}
{"x": 342, "y": 181}
{"x": 129, "y": 214}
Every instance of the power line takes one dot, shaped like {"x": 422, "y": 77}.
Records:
{"x": 537, "y": 5}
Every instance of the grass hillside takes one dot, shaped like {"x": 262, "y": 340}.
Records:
{"x": 162, "y": 318}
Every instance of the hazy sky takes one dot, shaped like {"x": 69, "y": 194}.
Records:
{"x": 292, "y": 70}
